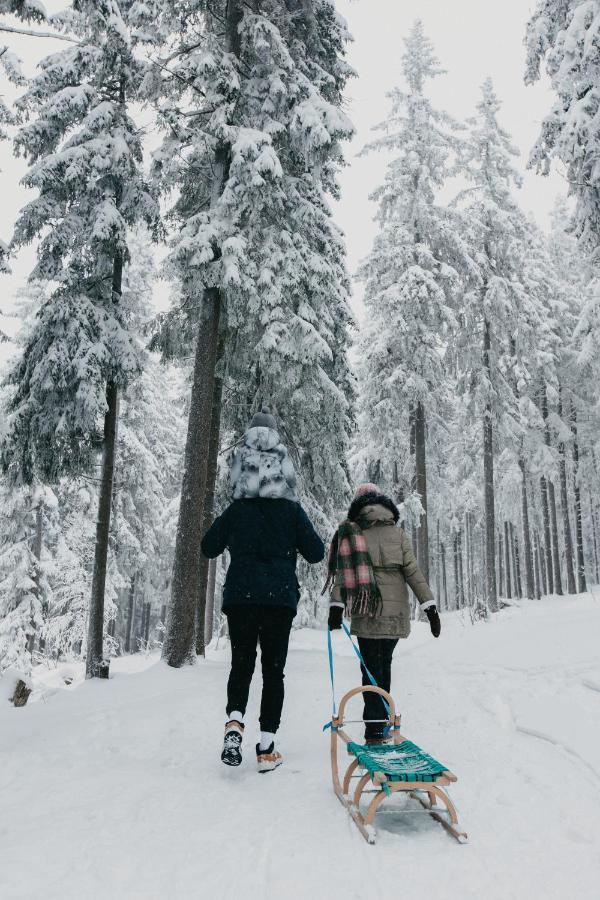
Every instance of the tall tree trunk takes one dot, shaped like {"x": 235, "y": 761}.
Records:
{"x": 421, "y": 487}
{"x": 547, "y": 536}
{"x": 461, "y": 570}
{"x": 564, "y": 497}
{"x": 142, "y": 628}
{"x": 556, "y": 579}
{"x": 209, "y": 503}
{"x": 536, "y": 559}
{"x": 178, "y": 647}
{"x": 543, "y": 570}
{"x": 481, "y": 586}
{"x": 558, "y": 589}
{"x": 488, "y": 480}
{"x": 469, "y": 552}
{"x": 37, "y": 575}
{"x": 444, "y": 574}
{"x": 517, "y": 560}
{"x": 456, "y": 572}
{"x": 146, "y": 634}
{"x": 95, "y": 665}
{"x": 513, "y": 561}
{"x": 210, "y": 602}
{"x": 500, "y": 566}
{"x": 507, "y": 565}
{"x": 594, "y": 519}
{"x": 581, "y": 577}
{"x": 130, "y": 615}
{"x": 528, "y": 555}
{"x": 438, "y": 584}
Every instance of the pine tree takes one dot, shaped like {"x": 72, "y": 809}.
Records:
{"x": 536, "y": 349}
{"x": 491, "y": 308}
{"x": 413, "y": 276}
{"x": 149, "y": 453}
{"x": 10, "y": 65}
{"x": 85, "y": 156}
{"x": 24, "y": 588}
{"x": 27, "y": 10}
{"x": 254, "y": 118}
{"x": 563, "y": 36}
{"x": 65, "y": 630}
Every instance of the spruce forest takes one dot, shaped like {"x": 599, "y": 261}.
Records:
{"x": 467, "y": 391}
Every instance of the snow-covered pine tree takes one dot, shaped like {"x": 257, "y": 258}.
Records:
{"x": 85, "y": 156}
{"x": 490, "y": 309}
{"x": 562, "y": 34}
{"x": 149, "y": 456}
{"x": 531, "y": 367}
{"x": 583, "y": 416}
{"x": 65, "y": 630}
{"x": 254, "y": 119}
{"x": 412, "y": 275}
{"x": 27, "y": 10}
{"x": 25, "y": 515}
{"x": 456, "y": 503}
{"x": 10, "y": 65}
{"x": 143, "y": 520}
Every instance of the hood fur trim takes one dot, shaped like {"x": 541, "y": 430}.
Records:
{"x": 369, "y": 500}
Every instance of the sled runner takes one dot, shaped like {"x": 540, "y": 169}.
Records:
{"x": 383, "y": 770}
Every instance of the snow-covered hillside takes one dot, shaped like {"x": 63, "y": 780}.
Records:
{"x": 115, "y": 790}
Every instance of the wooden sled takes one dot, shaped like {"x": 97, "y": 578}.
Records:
{"x": 387, "y": 769}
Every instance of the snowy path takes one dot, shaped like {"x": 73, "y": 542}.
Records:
{"x": 114, "y": 790}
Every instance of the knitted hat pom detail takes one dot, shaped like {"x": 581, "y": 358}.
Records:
{"x": 264, "y": 419}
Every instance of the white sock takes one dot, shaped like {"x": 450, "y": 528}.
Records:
{"x": 237, "y": 715}
{"x": 266, "y": 739}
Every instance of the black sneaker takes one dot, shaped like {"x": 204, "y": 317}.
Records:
{"x": 232, "y": 744}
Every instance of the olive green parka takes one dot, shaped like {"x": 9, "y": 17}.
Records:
{"x": 395, "y": 567}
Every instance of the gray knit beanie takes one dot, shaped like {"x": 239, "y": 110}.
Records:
{"x": 264, "y": 419}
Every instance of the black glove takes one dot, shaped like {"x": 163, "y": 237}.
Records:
{"x": 434, "y": 620}
{"x": 336, "y": 614}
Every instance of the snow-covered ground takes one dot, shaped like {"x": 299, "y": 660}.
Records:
{"x": 115, "y": 790}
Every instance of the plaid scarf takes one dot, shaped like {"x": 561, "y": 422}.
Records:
{"x": 350, "y": 566}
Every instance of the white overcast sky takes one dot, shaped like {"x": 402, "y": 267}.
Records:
{"x": 473, "y": 39}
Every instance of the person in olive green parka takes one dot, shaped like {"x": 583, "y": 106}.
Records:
{"x": 394, "y": 568}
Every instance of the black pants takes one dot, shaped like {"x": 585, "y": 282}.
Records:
{"x": 269, "y": 626}
{"x": 377, "y": 654}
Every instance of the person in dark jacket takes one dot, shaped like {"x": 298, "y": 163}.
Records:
{"x": 263, "y": 531}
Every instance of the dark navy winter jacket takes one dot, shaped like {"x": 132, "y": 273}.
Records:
{"x": 263, "y": 536}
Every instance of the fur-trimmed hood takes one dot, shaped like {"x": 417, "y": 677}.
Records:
{"x": 372, "y": 499}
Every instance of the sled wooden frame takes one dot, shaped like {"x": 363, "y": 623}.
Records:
{"x": 433, "y": 790}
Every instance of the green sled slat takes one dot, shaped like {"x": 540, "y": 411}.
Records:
{"x": 400, "y": 762}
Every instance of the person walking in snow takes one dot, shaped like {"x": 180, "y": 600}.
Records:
{"x": 263, "y": 528}
{"x": 371, "y": 561}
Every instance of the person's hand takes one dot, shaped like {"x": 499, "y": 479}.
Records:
{"x": 336, "y": 614}
{"x": 434, "y": 620}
